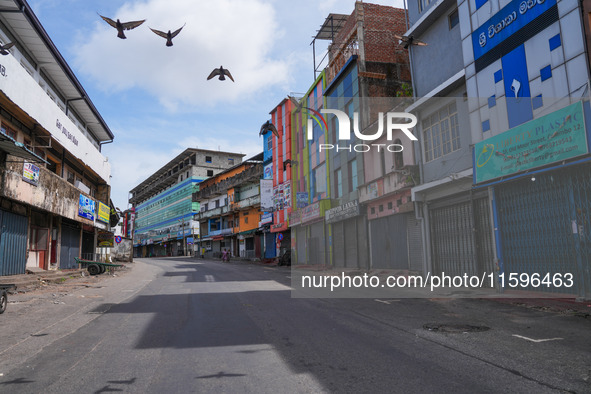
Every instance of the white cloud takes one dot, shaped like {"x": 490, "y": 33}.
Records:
{"x": 238, "y": 34}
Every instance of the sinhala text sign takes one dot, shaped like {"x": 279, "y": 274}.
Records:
{"x": 557, "y": 136}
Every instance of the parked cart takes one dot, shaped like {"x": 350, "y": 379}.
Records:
{"x": 4, "y": 296}
{"x": 95, "y": 267}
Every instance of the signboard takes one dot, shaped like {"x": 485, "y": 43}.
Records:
{"x": 295, "y": 218}
{"x": 506, "y": 22}
{"x": 104, "y": 212}
{"x": 301, "y": 199}
{"x": 268, "y": 171}
{"x": 287, "y": 195}
{"x": 555, "y": 137}
{"x": 311, "y": 212}
{"x": 105, "y": 239}
{"x": 31, "y": 173}
{"x": 266, "y": 194}
{"x": 266, "y": 217}
{"x": 342, "y": 212}
{"x": 86, "y": 207}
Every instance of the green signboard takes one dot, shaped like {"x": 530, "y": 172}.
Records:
{"x": 554, "y": 137}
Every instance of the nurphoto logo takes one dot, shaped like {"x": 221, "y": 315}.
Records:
{"x": 394, "y": 121}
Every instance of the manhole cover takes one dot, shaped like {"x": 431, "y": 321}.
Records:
{"x": 454, "y": 327}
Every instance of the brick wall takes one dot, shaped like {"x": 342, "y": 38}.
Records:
{"x": 387, "y": 62}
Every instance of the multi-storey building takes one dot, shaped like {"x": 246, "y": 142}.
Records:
{"x": 282, "y": 165}
{"x": 162, "y": 205}
{"x": 230, "y": 213}
{"x": 503, "y": 130}
{"x": 310, "y": 183}
{"x": 371, "y": 197}
{"x": 527, "y": 63}
{"x": 267, "y": 197}
{"x": 54, "y": 192}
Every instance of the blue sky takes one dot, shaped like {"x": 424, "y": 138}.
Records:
{"x": 156, "y": 99}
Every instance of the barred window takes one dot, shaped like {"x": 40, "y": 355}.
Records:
{"x": 442, "y": 132}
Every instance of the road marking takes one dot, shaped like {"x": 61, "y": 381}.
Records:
{"x": 209, "y": 278}
{"x": 537, "y": 340}
{"x": 386, "y": 302}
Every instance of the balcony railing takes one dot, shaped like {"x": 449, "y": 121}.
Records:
{"x": 211, "y": 213}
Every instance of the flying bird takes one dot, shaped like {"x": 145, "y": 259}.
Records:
{"x": 4, "y": 48}
{"x": 268, "y": 126}
{"x": 408, "y": 41}
{"x": 122, "y": 26}
{"x": 298, "y": 104}
{"x": 169, "y": 36}
{"x": 221, "y": 72}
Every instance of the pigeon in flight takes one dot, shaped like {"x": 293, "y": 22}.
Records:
{"x": 122, "y": 26}
{"x": 169, "y": 36}
{"x": 408, "y": 41}
{"x": 297, "y": 104}
{"x": 268, "y": 126}
{"x": 4, "y": 48}
{"x": 221, "y": 72}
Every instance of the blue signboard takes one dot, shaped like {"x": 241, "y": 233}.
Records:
{"x": 86, "y": 207}
{"x": 506, "y": 22}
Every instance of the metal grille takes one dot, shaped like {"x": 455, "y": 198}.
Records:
{"x": 462, "y": 239}
{"x": 544, "y": 225}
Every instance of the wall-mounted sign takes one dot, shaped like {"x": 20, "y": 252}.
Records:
{"x": 342, "y": 212}
{"x": 506, "y": 22}
{"x": 301, "y": 199}
{"x": 104, "y": 212}
{"x": 555, "y": 137}
{"x": 266, "y": 194}
{"x": 31, "y": 173}
{"x": 86, "y": 207}
{"x": 268, "y": 171}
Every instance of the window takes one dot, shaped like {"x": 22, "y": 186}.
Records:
{"x": 373, "y": 210}
{"x": 9, "y": 132}
{"x": 338, "y": 190}
{"x": 208, "y": 159}
{"x": 270, "y": 141}
{"x": 389, "y": 204}
{"x": 246, "y": 219}
{"x": 441, "y": 131}
{"x": 454, "y": 19}
{"x": 70, "y": 177}
{"x": 352, "y": 175}
{"x": 423, "y": 4}
{"x": 217, "y": 203}
{"x": 381, "y": 208}
{"x": 209, "y": 172}
{"x": 181, "y": 178}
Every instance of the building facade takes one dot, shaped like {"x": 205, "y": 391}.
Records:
{"x": 515, "y": 79}
{"x": 55, "y": 182}
{"x": 230, "y": 213}
{"x": 162, "y": 205}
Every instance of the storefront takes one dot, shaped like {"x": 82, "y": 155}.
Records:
{"x": 541, "y": 183}
{"x": 349, "y": 236}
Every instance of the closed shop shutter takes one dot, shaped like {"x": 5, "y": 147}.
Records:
{"x": 70, "y": 246}
{"x": 338, "y": 242}
{"x": 388, "y": 242}
{"x": 415, "y": 243}
{"x": 13, "y": 243}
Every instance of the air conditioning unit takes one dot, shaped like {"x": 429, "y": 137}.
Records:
{"x": 82, "y": 187}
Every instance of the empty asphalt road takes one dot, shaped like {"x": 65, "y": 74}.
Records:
{"x": 178, "y": 325}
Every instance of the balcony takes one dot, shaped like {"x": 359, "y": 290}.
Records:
{"x": 249, "y": 175}
{"x": 211, "y": 213}
{"x": 248, "y": 202}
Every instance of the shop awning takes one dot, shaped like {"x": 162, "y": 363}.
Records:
{"x": 248, "y": 232}
{"x": 15, "y": 148}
